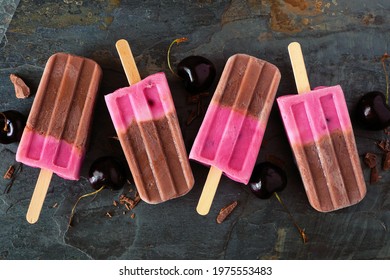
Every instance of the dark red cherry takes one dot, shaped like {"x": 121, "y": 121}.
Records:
{"x": 107, "y": 171}
{"x": 266, "y": 179}
{"x": 12, "y": 124}
{"x": 197, "y": 72}
{"x": 372, "y": 111}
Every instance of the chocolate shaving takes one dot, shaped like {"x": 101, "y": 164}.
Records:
{"x": 9, "y": 173}
{"x": 226, "y": 211}
{"x": 108, "y": 214}
{"x": 13, "y": 177}
{"x": 374, "y": 176}
{"x": 384, "y": 145}
{"x": 386, "y": 161}
{"x": 370, "y": 160}
{"x": 21, "y": 89}
{"x": 130, "y": 203}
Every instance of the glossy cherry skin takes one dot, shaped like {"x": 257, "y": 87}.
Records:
{"x": 197, "y": 72}
{"x": 107, "y": 171}
{"x": 372, "y": 111}
{"x": 266, "y": 179}
{"x": 13, "y": 130}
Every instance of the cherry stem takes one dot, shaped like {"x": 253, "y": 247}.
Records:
{"x": 78, "y": 200}
{"x": 301, "y": 231}
{"x": 5, "y": 121}
{"x": 177, "y": 41}
{"x": 383, "y": 60}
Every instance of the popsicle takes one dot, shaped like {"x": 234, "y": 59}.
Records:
{"x": 231, "y": 133}
{"x": 57, "y": 128}
{"x": 146, "y": 123}
{"x": 320, "y": 133}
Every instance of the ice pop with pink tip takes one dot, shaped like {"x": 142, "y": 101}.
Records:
{"x": 319, "y": 130}
{"x": 231, "y": 133}
{"x": 144, "y": 117}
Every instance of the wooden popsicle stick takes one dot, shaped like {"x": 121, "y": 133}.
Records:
{"x": 38, "y": 197}
{"x": 128, "y": 62}
{"x": 209, "y": 190}
{"x": 298, "y": 66}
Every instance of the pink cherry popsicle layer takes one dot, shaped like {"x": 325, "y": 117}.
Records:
{"x": 58, "y": 125}
{"x": 233, "y": 128}
{"x": 145, "y": 120}
{"x": 320, "y": 132}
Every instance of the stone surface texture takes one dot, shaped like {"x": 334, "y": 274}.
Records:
{"x": 343, "y": 42}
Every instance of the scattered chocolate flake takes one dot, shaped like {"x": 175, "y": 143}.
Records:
{"x": 17, "y": 170}
{"x": 132, "y": 216}
{"x": 108, "y": 214}
{"x": 370, "y": 160}
{"x": 21, "y": 89}
{"x": 386, "y": 161}
{"x": 9, "y": 173}
{"x": 55, "y": 205}
{"x": 115, "y": 203}
{"x": 384, "y": 145}
{"x": 130, "y": 203}
{"x": 374, "y": 176}
{"x": 226, "y": 211}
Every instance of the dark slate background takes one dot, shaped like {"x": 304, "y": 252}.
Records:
{"x": 342, "y": 41}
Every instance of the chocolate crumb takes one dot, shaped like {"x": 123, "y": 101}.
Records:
{"x": 374, "y": 176}
{"x": 21, "y": 89}
{"x": 384, "y": 145}
{"x": 386, "y": 161}
{"x": 55, "y": 205}
{"x": 130, "y": 203}
{"x": 9, "y": 173}
{"x": 132, "y": 216}
{"x": 226, "y": 211}
{"x": 115, "y": 203}
{"x": 370, "y": 160}
{"x": 108, "y": 214}
{"x": 12, "y": 178}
